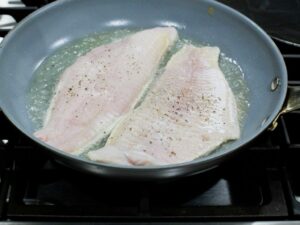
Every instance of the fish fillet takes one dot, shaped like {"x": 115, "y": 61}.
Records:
{"x": 95, "y": 92}
{"x": 189, "y": 112}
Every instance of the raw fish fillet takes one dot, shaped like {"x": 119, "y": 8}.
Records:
{"x": 102, "y": 86}
{"x": 189, "y": 112}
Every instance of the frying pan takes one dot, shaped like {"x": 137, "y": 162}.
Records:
{"x": 61, "y": 22}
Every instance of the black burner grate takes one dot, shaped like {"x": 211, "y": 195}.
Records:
{"x": 42, "y": 189}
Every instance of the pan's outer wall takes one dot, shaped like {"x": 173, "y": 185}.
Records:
{"x": 207, "y": 21}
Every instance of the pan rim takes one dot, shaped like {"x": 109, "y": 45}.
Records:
{"x": 202, "y": 160}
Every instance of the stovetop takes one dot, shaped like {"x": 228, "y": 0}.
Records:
{"x": 262, "y": 183}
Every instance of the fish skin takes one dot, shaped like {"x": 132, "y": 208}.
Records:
{"x": 188, "y": 113}
{"x": 95, "y": 93}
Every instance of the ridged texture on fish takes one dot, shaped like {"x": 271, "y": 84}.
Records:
{"x": 102, "y": 86}
{"x": 189, "y": 112}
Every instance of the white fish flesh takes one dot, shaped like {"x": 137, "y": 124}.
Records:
{"x": 95, "y": 92}
{"x": 189, "y": 112}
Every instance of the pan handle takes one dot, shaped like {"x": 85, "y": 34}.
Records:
{"x": 292, "y": 103}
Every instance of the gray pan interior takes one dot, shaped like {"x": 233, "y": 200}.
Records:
{"x": 47, "y": 29}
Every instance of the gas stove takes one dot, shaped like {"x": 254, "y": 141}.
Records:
{"x": 260, "y": 185}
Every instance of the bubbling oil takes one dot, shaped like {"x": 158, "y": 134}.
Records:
{"x": 236, "y": 80}
{"x": 47, "y": 75}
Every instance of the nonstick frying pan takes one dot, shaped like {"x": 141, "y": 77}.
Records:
{"x": 61, "y": 22}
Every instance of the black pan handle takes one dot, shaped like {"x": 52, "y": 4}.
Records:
{"x": 292, "y": 103}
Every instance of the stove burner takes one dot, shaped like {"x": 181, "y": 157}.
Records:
{"x": 279, "y": 18}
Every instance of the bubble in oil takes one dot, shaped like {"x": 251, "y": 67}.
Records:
{"x": 235, "y": 78}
